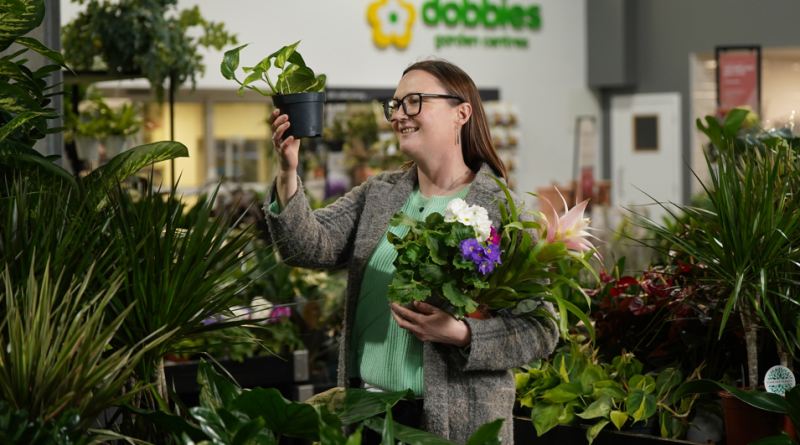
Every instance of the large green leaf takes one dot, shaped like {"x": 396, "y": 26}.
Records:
{"x": 640, "y": 405}
{"x": 53, "y": 56}
{"x": 359, "y": 404}
{"x": 230, "y": 63}
{"x": 404, "y": 434}
{"x": 591, "y": 375}
{"x": 644, "y": 382}
{"x": 793, "y": 405}
{"x": 487, "y": 434}
{"x": 12, "y": 71}
{"x": 599, "y": 408}
{"x": 545, "y": 416}
{"x": 595, "y": 429}
{"x": 19, "y": 120}
{"x": 733, "y": 122}
{"x": 563, "y": 393}
{"x": 667, "y": 379}
{"x": 759, "y": 399}
{"x": 170, "y": 422}
{"x": 15, "y": 7}
{"x": 14, "y": 26}
{"x": 14, "y": 99}
{"x": 281, "y": 416}
{"x": 133, "y": 160}
{"x": 10, "y": 147}
{"x": 216, "y": 391}
{"x": 36, "y": 163}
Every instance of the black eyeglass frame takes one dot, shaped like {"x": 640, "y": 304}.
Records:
{"x": 403, "y": 103}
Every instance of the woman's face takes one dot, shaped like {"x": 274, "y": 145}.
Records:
{"x": 435, "y": 125}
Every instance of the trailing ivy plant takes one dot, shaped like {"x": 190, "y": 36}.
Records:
{"x": 575, "y": 385}
{"x": 151, "y": 37}
{"x": 295, "y": 76}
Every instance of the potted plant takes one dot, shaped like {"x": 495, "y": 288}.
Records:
{"x": 297, "y": 91}
{"x": 744, "y": 248}
{"x": 118, "y": 125}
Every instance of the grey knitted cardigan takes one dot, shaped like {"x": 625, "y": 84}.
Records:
{"x": 460, "y": 394}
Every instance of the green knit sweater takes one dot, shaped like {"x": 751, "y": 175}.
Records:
{"x": 385, "y": 355}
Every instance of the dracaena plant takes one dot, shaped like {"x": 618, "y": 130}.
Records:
{"x": 295, "y": 76}
{"x": 55, "y": 356}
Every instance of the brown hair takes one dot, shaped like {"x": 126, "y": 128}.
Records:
{"x": 476, "y": 142}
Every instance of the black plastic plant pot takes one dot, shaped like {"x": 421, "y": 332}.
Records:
{"x": 305, "y": 113}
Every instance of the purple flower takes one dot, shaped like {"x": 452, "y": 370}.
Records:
{"x": 472, "y": 249}
{"x": 486, "y": 267}
{"x": 279, "y": 313}
{"x": 492, "y": 252}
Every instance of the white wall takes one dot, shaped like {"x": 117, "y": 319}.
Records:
{"x": 547, "y": 80}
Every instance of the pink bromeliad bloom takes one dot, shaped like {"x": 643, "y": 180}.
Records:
{"x": 570, "y": 228}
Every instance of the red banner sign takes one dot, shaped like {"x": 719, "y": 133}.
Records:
{"x": 739, "y": 79}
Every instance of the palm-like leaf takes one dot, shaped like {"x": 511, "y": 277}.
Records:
{"x": 56, "y": 356}
{"x": 177, "y": 274}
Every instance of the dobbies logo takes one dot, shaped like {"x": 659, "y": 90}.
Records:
{"x": 482, "y": 12}
{"x": 391, "y": 22}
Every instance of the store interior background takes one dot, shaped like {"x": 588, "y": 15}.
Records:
{"x": 585, "y": 54}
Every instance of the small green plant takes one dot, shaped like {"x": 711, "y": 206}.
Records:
{"x": 123, "y": 121}
{"x": 295, "y": 76}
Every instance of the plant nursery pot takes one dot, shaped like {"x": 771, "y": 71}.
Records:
{"x": 88, "y": 149}
{"x": 304, "y": 111}
{"x": 115, "y": 145}
{"x": 745, "y": 424}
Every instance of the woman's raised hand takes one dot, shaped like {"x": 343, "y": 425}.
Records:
{"x": 288, "y": 149}
{"x": 288, "y": 153}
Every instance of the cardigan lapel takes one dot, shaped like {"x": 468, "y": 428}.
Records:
{"x": 383, "y": 201}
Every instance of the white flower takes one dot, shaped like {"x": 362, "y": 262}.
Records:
{"x": 479, "y": 213}
{"x": 455, "y": 208}
{"x": 262, "y": 309}
{"x": 483, "y": 230}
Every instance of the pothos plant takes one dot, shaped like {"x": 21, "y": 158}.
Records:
{"x": 575, "y": 387}
{"x": 295, "y": 76}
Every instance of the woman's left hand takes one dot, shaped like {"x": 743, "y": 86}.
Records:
{"x": 432, "y": 324}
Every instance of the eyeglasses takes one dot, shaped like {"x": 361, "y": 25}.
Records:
{"x": 412, "y": 104}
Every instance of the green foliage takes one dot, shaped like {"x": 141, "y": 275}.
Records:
{"x": 123, "y": 121}
{"x": 24, "y": 94}
{"x": 575, "y": 386}
{"x": 747, "y": 243}
{"x": 57, "y": 359}
{"x": 152, "y": 37}
{"x": 16, "y": 428}
{"x": 295, "y": 76}
{"x": 428, "y": 260}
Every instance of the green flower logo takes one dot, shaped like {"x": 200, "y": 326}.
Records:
{"x": 391, "y": 22}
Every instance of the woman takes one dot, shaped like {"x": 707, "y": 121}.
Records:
{"x": 460, "y": 368}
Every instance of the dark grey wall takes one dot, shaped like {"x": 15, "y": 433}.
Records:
{"x": 665, "y": 32}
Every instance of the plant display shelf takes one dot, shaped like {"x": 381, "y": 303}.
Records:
{"x": 289, "y": 373}
{"x": 525, "y": 434}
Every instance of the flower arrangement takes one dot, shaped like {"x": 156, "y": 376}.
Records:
{"x": 462, "y": 258}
